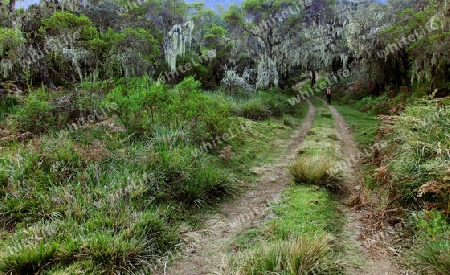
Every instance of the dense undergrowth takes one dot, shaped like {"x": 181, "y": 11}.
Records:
{"x": 406, "y": 163}
{"x": 417, "y": 172}
{"x": 97, "y": 180}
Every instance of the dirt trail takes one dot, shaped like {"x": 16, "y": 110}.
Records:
{"x": 206, "y": 248}
{"x": 367, "y": 254}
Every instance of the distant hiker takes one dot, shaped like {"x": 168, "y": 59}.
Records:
{"x": 328, "y": 96}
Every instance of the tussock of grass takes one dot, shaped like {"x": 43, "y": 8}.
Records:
{"x": 310, "y": 169}
{"x": 288, "y": 121}
{"x": 317, "y": 170}
{"x": 28, "y": 260}
{"x": 298, "y": 255}
{"x": 254, "y": 109}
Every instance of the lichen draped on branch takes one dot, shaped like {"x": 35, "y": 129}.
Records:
{"x": 179, "y": 36}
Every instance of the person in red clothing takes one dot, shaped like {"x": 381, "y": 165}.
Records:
{"x": 329, "y": 96}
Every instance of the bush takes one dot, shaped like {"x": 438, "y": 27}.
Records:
{"x": 35, "y": 114}
{"x": 265, "y": 104}
{"x": 137, "y": 103}
{"x": 43, "y": 111}
{"x": 277, "y": 103}
{"x": 206, "y": 116}
{"x": 142, "y": 104}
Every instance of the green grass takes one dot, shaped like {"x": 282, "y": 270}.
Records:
{"x": 298, "y": 255}
{"x": 298, "y": 239}
{"x": 364, "y": 126}
{"x": 430, "y": 252}
{"x": 305, "y": 210}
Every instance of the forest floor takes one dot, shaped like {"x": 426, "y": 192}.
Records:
{"x": 207, "y": 250}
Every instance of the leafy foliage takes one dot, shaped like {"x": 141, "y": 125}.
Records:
{"x": 142, "y": 103}
{"x": 35, "y": 115}
{"x": 432, "y": 248}
{"x": 11, "y": 49}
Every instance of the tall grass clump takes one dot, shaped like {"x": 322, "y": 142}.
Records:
{"x": 316, "y": 170}
{"x": 434, "y": 256}
{"x": 254, "y": 109}
{"x": 192, "y": 180}
{"x": 298, "y": 255}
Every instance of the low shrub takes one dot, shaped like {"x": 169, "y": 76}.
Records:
{"x": 35, "y": 113}
{"x": 136, "y": 103}
{"x": 142, "y": 104}
{"x": 431, "y": 251}
{"x": 277, "y": 103}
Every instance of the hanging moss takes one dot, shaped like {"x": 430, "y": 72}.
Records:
{"x": 175, "y": 42}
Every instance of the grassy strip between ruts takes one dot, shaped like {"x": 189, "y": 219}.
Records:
{"x": 363, "y": 125}
{"x": 299, "y": 239}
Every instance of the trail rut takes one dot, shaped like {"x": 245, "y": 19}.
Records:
{"x": 368, "y": 254}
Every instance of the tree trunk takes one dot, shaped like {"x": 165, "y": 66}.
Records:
{"x": 313, "y": 78}
{"x": 12, "y": 5}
